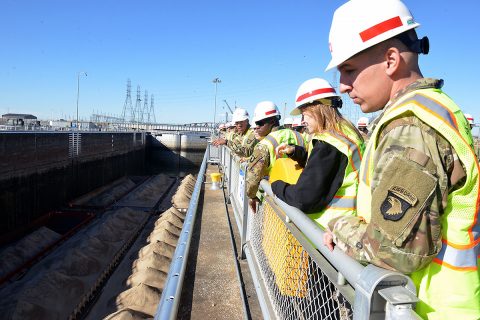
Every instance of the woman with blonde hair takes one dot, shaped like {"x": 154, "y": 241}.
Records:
{"x": 327, "y": 187}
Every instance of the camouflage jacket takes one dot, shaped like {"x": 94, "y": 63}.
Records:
{"x": 230, "y": 137}
{"x": 249, "y": 144}
{"x": 257, "y": 168}
{"x": 242, "y": 145}
{"x": 405, "y": 138}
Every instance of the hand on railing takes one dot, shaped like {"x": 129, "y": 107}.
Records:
{"x": 253, "y": 204}
{"x": 328, "y": 240}
{"x": 284, "y": 149}
{"x": 219, "y": 141}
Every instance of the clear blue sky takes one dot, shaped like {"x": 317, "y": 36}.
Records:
{"x": 261, "y": 50}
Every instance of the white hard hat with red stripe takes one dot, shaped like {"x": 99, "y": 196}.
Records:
{"x": 297, "y": 122}
{"x": 362, "y": 122}
{"x": 315, "y": 89}
{"x": 360, "y": 24}
{"x": 265, "y": 109}
{"x": 469, "y": 118}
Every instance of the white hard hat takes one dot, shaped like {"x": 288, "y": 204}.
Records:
{"x": 297, "y": 122}
{"x": 221, "y": 126}
{"x": 230, "y": 124}
{"x": 469, "y": 118}
{"x": 239, "y": 115}
{"x": 362, "y": 122}
{"x": 288, "y": 120}
{"x": 265, "y": 109}
{"x": 361, "y": 24}
{"x": 313, "y": 90}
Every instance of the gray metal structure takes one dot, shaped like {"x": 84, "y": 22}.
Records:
{"x": 168, "y": 306}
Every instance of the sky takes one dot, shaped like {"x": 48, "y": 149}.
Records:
{"x": 260, "y": 50}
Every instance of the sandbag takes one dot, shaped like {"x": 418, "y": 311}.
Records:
{"x": 141, "y": 298}
{"x": 164, "y": 236}
{"x": 155, "y": 261}
{"x": 149, "y": 276}
{"x": 159, "y": 247}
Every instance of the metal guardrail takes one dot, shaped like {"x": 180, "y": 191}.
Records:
{"x": 169, "y": 302}
{"x": 296, "y": 276}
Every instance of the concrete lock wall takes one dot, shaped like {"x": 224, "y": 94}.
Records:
{"x": 44, "y": 170}
{"x": 176, "y": 151}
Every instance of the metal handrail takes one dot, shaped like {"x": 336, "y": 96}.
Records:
{"x": 347, "y": 266}
{"x": 169, "y": 302}
{"x": 371, "y": 299}
{"x": 366, "y": 280}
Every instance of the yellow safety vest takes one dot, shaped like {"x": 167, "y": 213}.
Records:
{"x": 449, "y": 287}
{"x": 275, "y": 138}
{"x": 345, "y": 200}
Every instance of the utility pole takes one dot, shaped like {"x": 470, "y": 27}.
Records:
{"x": 216, "y": 81}
{"x": 78, "y": 91}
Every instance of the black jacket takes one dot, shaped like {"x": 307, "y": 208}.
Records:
{"x": 320, "y": 180}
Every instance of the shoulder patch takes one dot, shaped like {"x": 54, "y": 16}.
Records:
{"x": 397, "y": 202}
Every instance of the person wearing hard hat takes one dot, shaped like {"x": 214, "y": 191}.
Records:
{"x": 469, "y": 118}
{"x": 222, "y": 130}
{"x": 270, "y": 134}
{"x": 243, "y": 141}
{"x": 362, "y": 125}
{"x": 288, "y": 123}
{"x": 298, "y": 125}
{"x": 327, "y": 187}
{"x": 228, "y": 135}
{"x": 419, "y": 192}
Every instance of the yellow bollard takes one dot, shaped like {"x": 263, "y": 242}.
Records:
{"x": 216, "y": 178}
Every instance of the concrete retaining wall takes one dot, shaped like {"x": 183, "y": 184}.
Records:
{"x": 44, "y": 170}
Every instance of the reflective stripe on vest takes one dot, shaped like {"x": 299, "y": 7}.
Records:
{"x": 356, "y": 158}
{"x": 454, "y": 272}
{"x": 274, "y": 138}
{"x": 445, "y": 122}
{"x": 458, "y": 258}
{"x": 344, "y": 201}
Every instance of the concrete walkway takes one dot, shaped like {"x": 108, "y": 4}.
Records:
{"x": 211, "y": 288}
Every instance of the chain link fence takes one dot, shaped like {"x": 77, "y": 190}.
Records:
{"x": 294, "y": 278}
{"x": 296, "y": 285}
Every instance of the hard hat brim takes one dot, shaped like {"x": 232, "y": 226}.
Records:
{"x": 240, "y": 119}
{"x": 296, "y": 112}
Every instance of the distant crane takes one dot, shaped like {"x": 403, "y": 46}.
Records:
{"x": 226, "y": 113}
{"x": 228, "y": 106}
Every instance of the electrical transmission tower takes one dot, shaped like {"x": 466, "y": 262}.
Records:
{"x": 128, "y": 113}
{"x": 138, "y": 107}
{"x": 146, "y": 110}
{"x": 151, "y": 113}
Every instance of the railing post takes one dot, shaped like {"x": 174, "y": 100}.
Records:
{"x": 229, "y": 174}
{"x": 245, "y": 212}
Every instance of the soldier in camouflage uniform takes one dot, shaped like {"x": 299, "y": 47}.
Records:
{"x": 227, "y": 137}
{"x": 418, "y": 193}
{"x": 243, "y": 141}
{"x": 267, "y": 127}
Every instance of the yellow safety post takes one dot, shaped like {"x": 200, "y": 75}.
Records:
{"x": 216, "y": 178}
